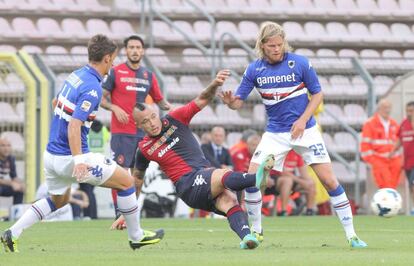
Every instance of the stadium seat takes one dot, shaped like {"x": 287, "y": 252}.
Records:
{"x": 407, "y": 5}
{"x": 79, "y": 54}
{"x": 104, "y": 116}
{"x": 402, "y": 32}
{"x": 159, "y": 58}
{"x": 5, "y": 6}
{"x": 16, "y": 139}
{"x": 339, "y": 84}
{"x": 15, "y": 83}
{"x": 121, "y": 29}
{"x": 326, "y": 58}
{"x": 26, "y": 27}
{"x": 355, "y": 114}
{"x": 202, "y": 30}
{"x": 51, "y": 29}
{"x": 335, "y": 110}
{"x": 325, "y": 85}
{"x": 56, "y": 55}
{"x": 69, "y": 6}
{"x": 74, "y": 28}
{"x": 295, "y": 32}
{"x": 394, "y": 59}
{"x": 259, "y": 114}
{"x": 329, "y": 143}
{"x": 227, "y": 116}
{"x": 285, "y": 6}
{"x": 236, "y": 58}
{"x": 371, "y": 58}
{"x": 162, "y": 32}
{"x": 342, "y": 173}
{"x": 392, "y": 7}
{"x": 380, "y": 33}
{"x": 409, "y": 56}
{"x": 7, "y": 31}
{"x": 226, "y": 26}
{"x": 32, "y": 49}
{"x": 382, "y": 84}
{"x": 305, "y": 52}
{"x": 233, "y": 138}
{"x": 350, "y": 8}
{"x": 205, "y": 117}
{"x": 248, "y": 30}
{"x": 20, "y": 111}
{"x": 4, "y": 88}
{"x": 317, "y": 29}
{"x": 194, "y": 57}
{"x": 7, "y": 48}
{"x": 360, "y": 32}
{"x": 127, "y": 6}
{"x": 239, "y": 7}
{"x": 262, "y": 7}
{"x": 20, "y": 169}
{"x": 340, "y": 32}
{"x": 7, "y": 114}
{"x": 307, "y": 7}
{"x": 20, "y": 5}
{"x": 363, "y": 173}
{"x": 95, "y": 26}
{"x": 345, "y": 142}
{"x": 190, "y": 86}
{"x": 93, "y": 6}
{"x": 172, "y": 86}
{"x": 329, "y": 8}
{"x": 184, "y": 26}
{"x": 45, "y": 5}
{"x": 358, "y": 88}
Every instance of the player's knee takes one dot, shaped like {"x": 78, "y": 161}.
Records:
{"x": 227, "y": 200}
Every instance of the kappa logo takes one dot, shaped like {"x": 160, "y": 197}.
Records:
{"x": 199, "y": 180}
{"x": 245, "y": 227}
{"x": 291, "y": 64}
{"x": 93, "y": 93}
{"x": 244, "y": 175}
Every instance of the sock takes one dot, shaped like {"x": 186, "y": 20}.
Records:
{"x": 253, "y": 199}
{"x": 38, "y": 211}
{"x": 238, "y": 181}
{"x": 238, "y": 221}
{"x": 342, "y": 208}
{"x": 128, "y": 206}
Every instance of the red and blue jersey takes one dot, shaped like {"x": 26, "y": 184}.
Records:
{"x": 79, "y": 98}
{"x": 175, "y": 149}
{"x": 130, "y": 86}
{"x": 283, "y": 87}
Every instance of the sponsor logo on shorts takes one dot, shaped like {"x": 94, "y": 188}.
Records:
{"x": 96, "y": 171}
{"x": 257, "y": 153}
{"x": 169, "y": 147}
{"x": 199, "y": 180}
{"x": 86, "y": 105}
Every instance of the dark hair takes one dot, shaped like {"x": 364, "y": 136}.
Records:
{"x": 141, "y": 106}
{"x": 133, "y": 37}
{"x": 410, "y": 103}
{"x": 96, "y": 126}
{"x": 99, "y": 46}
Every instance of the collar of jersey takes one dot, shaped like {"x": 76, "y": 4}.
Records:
{"x": 93, "y": 72}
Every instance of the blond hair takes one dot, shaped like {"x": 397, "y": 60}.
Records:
{"x": 268, "y": 30}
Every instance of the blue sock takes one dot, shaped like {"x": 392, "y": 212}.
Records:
{"x": 238, "y": 181}
{"x": 238, "y": 221}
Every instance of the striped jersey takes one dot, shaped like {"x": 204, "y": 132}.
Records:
{"x": 79, "y": 98}
{"x": 283, "y": 88}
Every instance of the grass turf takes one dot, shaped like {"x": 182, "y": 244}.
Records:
{"x": 288, "y": 241}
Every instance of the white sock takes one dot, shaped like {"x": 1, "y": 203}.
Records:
{"x": 127, "y": 205}
{"x": 343, "y": 209}
{"x": 254, "y": 209}
{"x": 38, "y": 211}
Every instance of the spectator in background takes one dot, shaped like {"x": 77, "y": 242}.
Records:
{"x": 127, "y": 84}
{"x": 215, "y": 152}
{"x": 10, "y": 184}
{"x": 205, "y": 137}
{"x": 379, "y": 137}
{"x": 242, "y": 144}
{"x": 406, "y": 140}
{"x": 97, "y": 139}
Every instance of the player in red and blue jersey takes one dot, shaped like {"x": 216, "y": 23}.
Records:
{"x": 284, "y": 80}
{"x": 171, "y": 144}
{"x": 67, "y": 158}
{"x": 127, "y": 84}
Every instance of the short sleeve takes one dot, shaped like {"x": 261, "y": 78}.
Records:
{"x": 13, "y": 172}
{"x": 155, "y": 90}
{"x": 247, "y": 83}
{"x": 310, "y": 78}
{"x": 185, "y": 113}
{"x": 86, "y": 103}
{"x": 141, "y": 162}
{"x": 108, "y": 82}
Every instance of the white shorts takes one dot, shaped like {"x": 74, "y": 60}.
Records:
{"x": 59, "y": 169}
{"x": 310, "y": 146}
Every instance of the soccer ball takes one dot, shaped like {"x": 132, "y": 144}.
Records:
{"x": 386, "y": 202}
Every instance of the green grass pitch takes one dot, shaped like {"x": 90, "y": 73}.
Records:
{"x": 288, "y": 241}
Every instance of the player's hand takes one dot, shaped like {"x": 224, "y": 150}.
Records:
{"x": 119, "y": 224}
{"x": 80, "y": 171}
{"x": 221, "y": 77}
{"x": 228, "y": 98}
{"x": 120, "y": 114}
{"x": 298, "y": 128}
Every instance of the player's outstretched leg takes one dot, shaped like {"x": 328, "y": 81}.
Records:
{"x": 148, "y": 239}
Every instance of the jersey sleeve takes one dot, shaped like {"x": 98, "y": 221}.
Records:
{"x": 108, "y": 82}
{"x": 141, "y": 162}
{"x": 13, "y": 173}
{"x": 88, "y": 101}
{"x": 185, "y": 113}
{"x": 310, "y": 78}
{"x": 155, "y": 90}
{"x": 247, "y": 83}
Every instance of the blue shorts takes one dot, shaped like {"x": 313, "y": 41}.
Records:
{"x": 124, "y": 148}
{"x": 195, "y": 190}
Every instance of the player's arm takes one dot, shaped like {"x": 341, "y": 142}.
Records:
{"x": 208, "y": 94}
